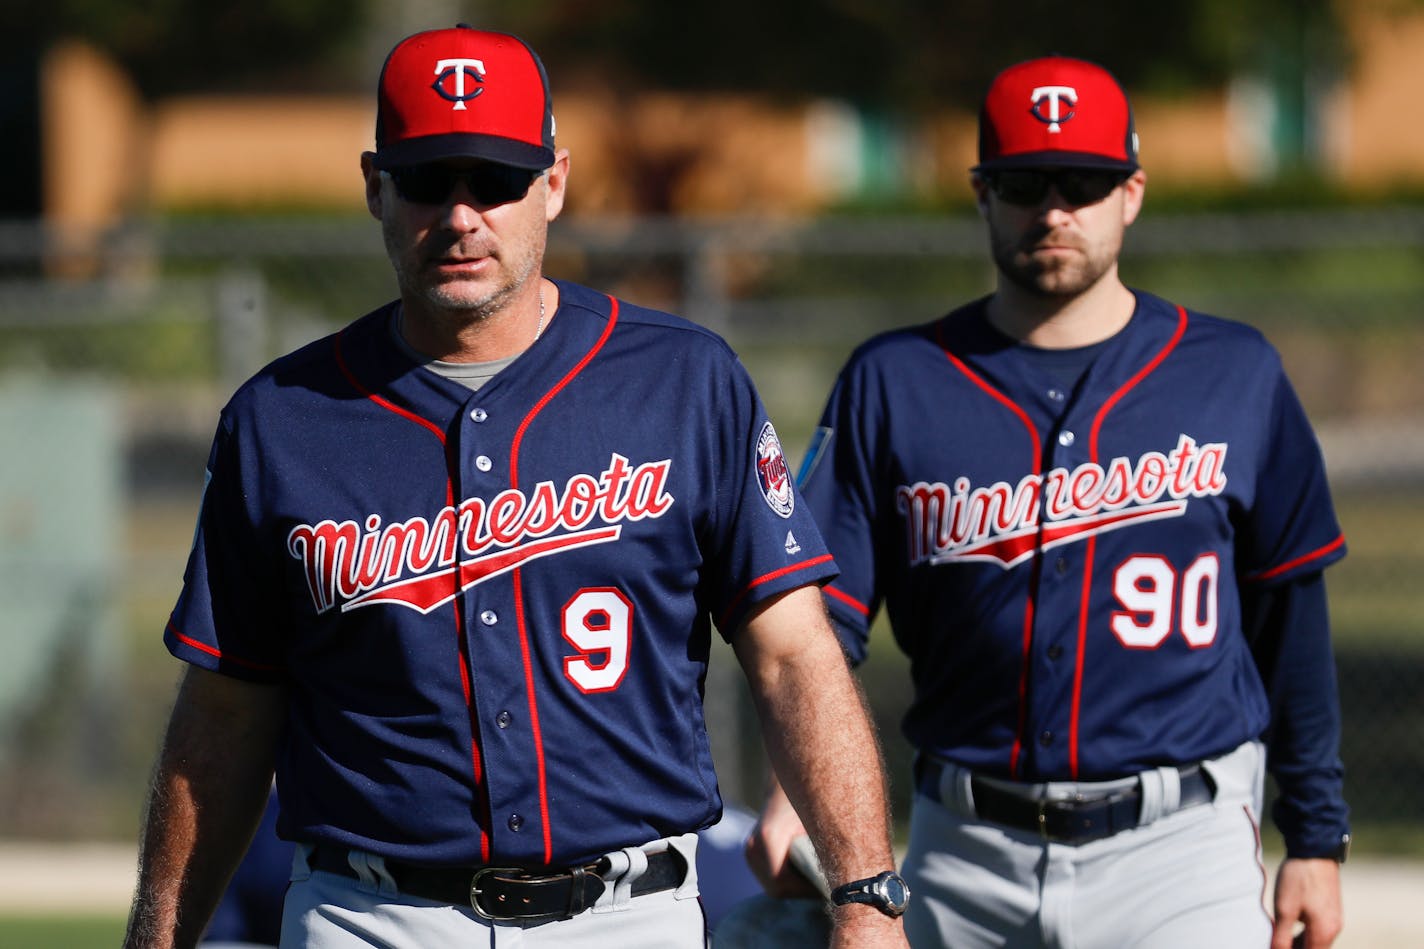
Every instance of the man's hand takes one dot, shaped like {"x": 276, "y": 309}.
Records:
{"x": 823, "y": 748}
{"x": 1307, "y": 892}
{"x": 769, "y": 849}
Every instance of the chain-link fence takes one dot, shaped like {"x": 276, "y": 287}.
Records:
{"x": 116, "y": 352}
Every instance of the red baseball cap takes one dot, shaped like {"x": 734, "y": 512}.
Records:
{"x": 464, "y": 93}
{"x": 1056, "y": 111}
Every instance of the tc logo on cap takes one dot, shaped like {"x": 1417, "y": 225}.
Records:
{"x": 1053, "y": 112}
{"x": 1051, "y": 97}
{"x": 459, "y": 69}
{"x": 511, "y": 122}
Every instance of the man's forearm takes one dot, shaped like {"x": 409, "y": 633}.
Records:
{"x": 207, "y": 796}
{"x": 823, "y": 747}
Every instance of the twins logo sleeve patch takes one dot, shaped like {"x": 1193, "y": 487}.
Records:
{"x": 773, "y": 474}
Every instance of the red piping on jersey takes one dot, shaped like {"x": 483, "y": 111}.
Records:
{"x": 1031, "y": 601}
{"x": 461, "y": 634}
{"x": 517, "y": 577}
{"x": 218, "y": 653}
{"x": 1315, "y": 554}
{"x": 847, "y": 599}
{"x": 383, "y": 402}
{"x": 764, "y": 578}
{"x": 1092, "y": 543}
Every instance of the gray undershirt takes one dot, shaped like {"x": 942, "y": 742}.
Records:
{"x": 469, "y": 374}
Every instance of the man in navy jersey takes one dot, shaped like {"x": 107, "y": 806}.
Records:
{"x": 455, "y": 577}
{"x": 1097, "y": 522}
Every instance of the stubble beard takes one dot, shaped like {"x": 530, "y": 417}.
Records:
{"x": 451, "y": 294}
{"x": 1055, "y": 277}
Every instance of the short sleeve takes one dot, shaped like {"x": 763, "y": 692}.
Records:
{"x": 223, "y": 620}
{"x": 837, "y": 480}
{"x": 1292, "y": 529}
{"x": 766, "y": 542}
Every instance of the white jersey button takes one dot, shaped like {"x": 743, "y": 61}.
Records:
{"x": 489, "y": 617}
{"x": 503, "y": 719}
{"x": 1055, "y": 394}
{"x": 483, "y": 463}
{"x": 479, "y": 415}
{"x": 1065, "y": 439}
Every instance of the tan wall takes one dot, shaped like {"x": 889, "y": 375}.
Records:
{"x": 215, "y": 151}
{"x": 1376, "y": 138}
{"x": 92, "y": 129}
{"x": 1185, "y": 141}
{"x": 650, "y": 153}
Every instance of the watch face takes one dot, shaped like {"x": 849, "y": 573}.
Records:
{"x": 894, "y": 892}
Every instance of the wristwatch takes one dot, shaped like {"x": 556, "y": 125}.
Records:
{"x": 887, "y": 892}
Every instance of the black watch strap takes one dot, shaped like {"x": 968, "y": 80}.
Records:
{"x": 886, "y": 891}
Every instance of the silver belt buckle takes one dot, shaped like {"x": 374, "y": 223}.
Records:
{"x": 475, "y": 892}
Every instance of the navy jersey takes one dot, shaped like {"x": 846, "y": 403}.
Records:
{"x": 1064, "y": 568}
{"x": 492, "y": 610}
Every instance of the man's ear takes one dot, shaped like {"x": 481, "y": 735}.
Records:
{"x": 981, "y": 193}
{"x": 1134, "y": 191}
{"x": 373, "y": 184}
{"x": 558, "y": 182}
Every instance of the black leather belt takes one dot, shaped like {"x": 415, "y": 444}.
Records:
{"x": 509, "y": 893}
{"x": 1071, "y": 820}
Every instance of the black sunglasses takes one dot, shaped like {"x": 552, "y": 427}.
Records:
{"x": 1077, "y": 186}
{"x": 489, "y": 183}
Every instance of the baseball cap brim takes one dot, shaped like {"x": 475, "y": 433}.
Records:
{"x": 505, "y": 151}
{"x": 1056, "y": 159}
